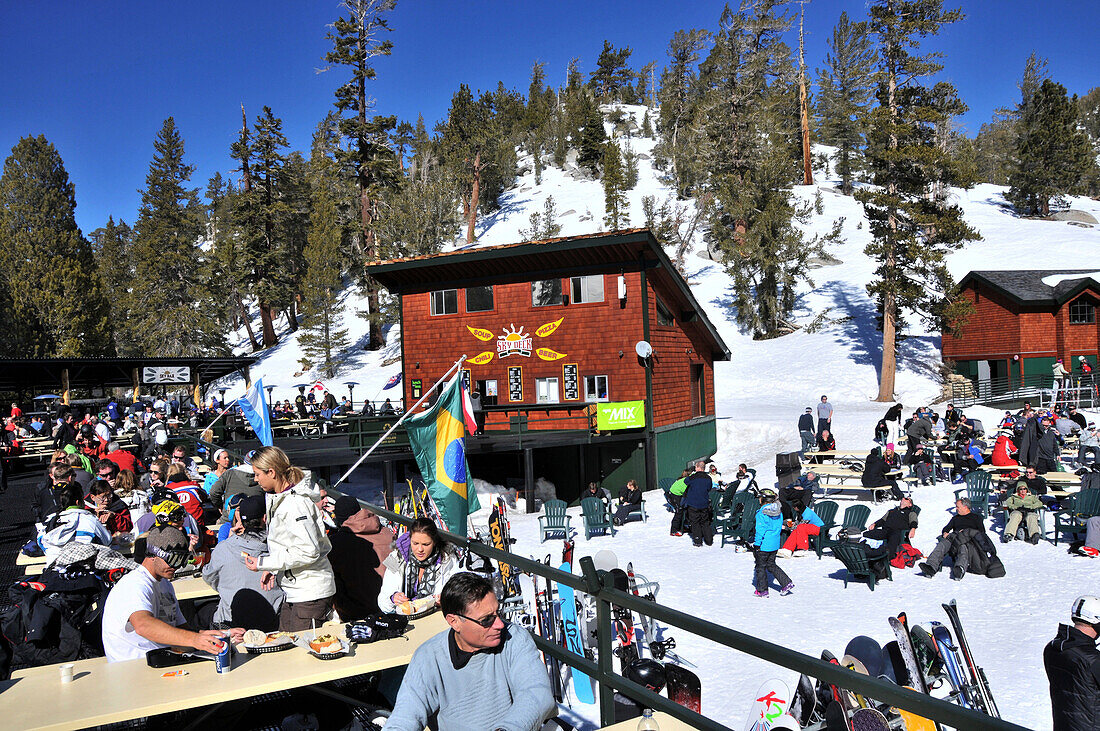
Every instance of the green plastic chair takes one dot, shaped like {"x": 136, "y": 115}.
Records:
{"x": 855, "y": 518}
{"x": 826, "y": 510}
{"x": 1076, "y": 509}
{"x": 554, "y": 519}
{"x": 665, "y": 483}
{"x": 979, "y": 486}
{"x": 596, "y": 517}
{"x": 741, "y": 522}
{"x": 856, "y": 564}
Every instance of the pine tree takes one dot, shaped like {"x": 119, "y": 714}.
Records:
{"x": 50, "y": 288}
{"x": 169, "y": 312}
{"x": 616, "y": 210}
{"x": 680, "y": 97}
{"x": 846, "y": 85}
{"x": 269, "y": 212}
{"x": 356, "y": 44}
{"x": 993, "y": 150}
{"x": 912, "y": 230}
{"x": 111, "y": 245}
{"x": 1052, "y": 155}
{"x": 544, "y": 223}
{"x": 592, "y": 138}
{"x": 323, "y": 338}
{"x": 753, "y": 156}
{"x": 612, "y": 75}
{"x": 228, "y": 268}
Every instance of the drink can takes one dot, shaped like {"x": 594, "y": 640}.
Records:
{"x": 223, "y": 661}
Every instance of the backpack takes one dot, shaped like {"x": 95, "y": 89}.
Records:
{"x": 55, "y": 619}
{"x": 907, "y": 557}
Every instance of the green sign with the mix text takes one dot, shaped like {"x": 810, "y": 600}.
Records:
{"x": 620, "y": 415}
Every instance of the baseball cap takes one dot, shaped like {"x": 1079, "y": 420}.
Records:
{"x": 252, "y": 507}
{"x": 169, "y": 544}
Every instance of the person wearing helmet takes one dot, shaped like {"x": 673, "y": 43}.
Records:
{"x": 1073, "y": 668}
{"x": 769, "y": 525}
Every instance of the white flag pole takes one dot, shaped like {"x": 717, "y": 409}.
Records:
{"x": 408, "y": 411}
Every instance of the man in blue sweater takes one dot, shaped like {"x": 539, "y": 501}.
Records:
{"x": 481, "y": 674}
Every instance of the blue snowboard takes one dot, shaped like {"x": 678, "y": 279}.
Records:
{"x": 582, "y": 684}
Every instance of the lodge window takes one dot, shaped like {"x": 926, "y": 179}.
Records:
{"x": 546, "y": 292}
{"x": 1082, "y": 312}
{"x": 664, "y": 317}
{"x": 546, "y": 390}
{"x": 698, "y": 391}
{"x": 479, "y": 299}
{"x": 445, "y": 302}
{"x": 587, "y": 289}
{"x": 595, "y": 388}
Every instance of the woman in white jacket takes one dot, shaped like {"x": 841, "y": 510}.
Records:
{"x": 297, "y": 546}
{"x": 417, "y": 568}
{"x": 71, "y": 524}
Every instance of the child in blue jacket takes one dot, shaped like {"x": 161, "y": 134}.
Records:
{"x": 769, "y": 523}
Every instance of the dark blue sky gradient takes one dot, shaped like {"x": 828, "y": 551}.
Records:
{"x": 98, "y": 78}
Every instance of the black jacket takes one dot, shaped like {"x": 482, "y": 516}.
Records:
{"x": 1046, "y": 446}
{"x": 893, "y": 413}
{"x": 959, "y": 522}
{"x": 874, "y": 473}
{"x": 806, "y": 422}
{"x": 1080, "y": 420}
{"x": 1073, "y": 669}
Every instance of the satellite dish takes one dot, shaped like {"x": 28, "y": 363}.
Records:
{"x": 643, "y": 349}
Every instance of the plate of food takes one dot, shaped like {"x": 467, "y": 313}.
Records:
{"x": 327, "y": 647}
{"x": 417, "y": 607}
{"x": 257, "y": 642}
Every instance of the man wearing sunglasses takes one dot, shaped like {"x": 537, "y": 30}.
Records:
{"x": 480, "y": 674}
{"x": 141, "y": 612}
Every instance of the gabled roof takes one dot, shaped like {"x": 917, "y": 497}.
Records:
{"x": 627, "y": 250}
{"x": 1026, "y": 287}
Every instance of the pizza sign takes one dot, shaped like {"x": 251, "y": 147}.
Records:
{"x": 515, "y": 341}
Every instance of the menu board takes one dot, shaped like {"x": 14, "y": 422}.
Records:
{"x": 569, "y": 382}
{"x": 466, "y": 378}
{"x": 515, "y": 383}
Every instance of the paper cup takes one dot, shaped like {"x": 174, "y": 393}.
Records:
{"x": 67, "y": 672}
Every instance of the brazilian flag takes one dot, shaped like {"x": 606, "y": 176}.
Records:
{"x": 438, "y": 440}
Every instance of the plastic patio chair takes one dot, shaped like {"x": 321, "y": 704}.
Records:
{"x": 1075, "y": 510}
{"x": 596, "y": 517}
{"x": 554, "y": 519}
{"x": 856, "y": 564}
{"x": 826, "y": 510}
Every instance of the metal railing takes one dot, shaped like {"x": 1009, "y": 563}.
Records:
{"x": 1081, "y": 391}
{"x": 603, "y": 671}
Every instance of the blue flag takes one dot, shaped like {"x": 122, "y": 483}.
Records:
{"x": 254, "y": 407}
{"x": 394, "y": 380}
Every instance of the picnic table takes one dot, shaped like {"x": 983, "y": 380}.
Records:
{"x": 103, "y": 693}
{"x": 842, "y": 474}
{"x": 835, "y": 454}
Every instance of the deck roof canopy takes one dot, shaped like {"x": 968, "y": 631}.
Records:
{"x": 627, "y": 251}
{"x": 1026, "y": 286}
{"x": 28, "y": 374}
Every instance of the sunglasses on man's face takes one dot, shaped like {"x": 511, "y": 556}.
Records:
{"x": 106, "y": 476}
{"x": 485, "y": 622}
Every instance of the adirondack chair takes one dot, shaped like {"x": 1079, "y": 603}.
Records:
{"x": 826, "y": 510}
{"x": 639, "y": 510}
{"x": 855, "y": 563}
{"x": 554, "y": 519}
{"x": 715, "y": 497}
{"x": 979, "y": 485}
{"x": 855, "y": 520}
{"x": 665, "y": 483}
{"x": 741, "y": 521}
{"x": 729, "y": 517}
{"x": 596, "y": 517}
{"x": 1075, "y": 510}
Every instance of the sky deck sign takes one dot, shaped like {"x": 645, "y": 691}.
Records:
{"x": 620, "y": 415}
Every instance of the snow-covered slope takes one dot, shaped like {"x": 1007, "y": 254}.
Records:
{"x": 760, "y": 394}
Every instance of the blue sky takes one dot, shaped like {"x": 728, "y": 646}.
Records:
{"x": 98, "y": 78}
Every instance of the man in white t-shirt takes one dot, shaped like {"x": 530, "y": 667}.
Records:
{"x": 141, "y": 612}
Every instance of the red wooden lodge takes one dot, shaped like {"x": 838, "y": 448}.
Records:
{"x": 555, "y": 333}
{"x": 1021, "y": 324}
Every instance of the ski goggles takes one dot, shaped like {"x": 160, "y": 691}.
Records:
{"x": 175, "y": 558}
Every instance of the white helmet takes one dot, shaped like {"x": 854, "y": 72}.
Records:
{"x": 1081, "y": 358}
{"x": 1086, "y": 609}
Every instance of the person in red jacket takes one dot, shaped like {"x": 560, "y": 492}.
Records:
{"x": 187, "y": 493}
{"x": 124, "y": 459}
{"x": 112, "y": 512}
{"x": 1003, "y": 453}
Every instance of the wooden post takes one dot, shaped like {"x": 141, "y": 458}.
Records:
{"x": 196, "y": 391}
{"x": 247, "y": 378}
{"x": 136, "y": 378}
{"x": 65, "y": 386}
{"x": 529, "y": 478}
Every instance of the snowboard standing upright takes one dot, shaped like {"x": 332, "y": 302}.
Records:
{"x": 582, "y": 684}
